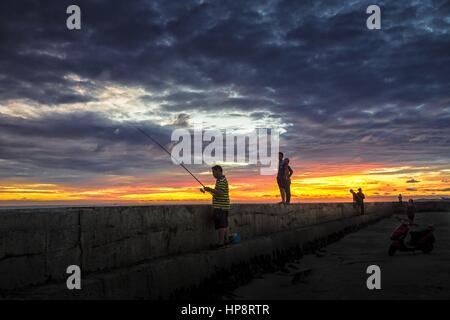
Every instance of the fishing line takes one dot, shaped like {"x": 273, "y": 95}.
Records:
{"x": 167, "y": 151}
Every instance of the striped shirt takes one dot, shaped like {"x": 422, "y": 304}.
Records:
{"x": 221, "y": 201}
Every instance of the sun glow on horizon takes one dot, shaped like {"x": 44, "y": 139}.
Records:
{"x": 320, "y": 184}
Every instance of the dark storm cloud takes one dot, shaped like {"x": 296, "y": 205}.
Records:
{"x": 345, "y": 92}
{"x": 77, "y": 143}
{"x": 182, "y": 120}
{"x": 205, "y": 100}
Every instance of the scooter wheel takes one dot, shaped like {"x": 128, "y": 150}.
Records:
{"x": 392, "y": 250}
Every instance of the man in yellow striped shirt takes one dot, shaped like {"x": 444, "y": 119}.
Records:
{"x": 220, "y": 204}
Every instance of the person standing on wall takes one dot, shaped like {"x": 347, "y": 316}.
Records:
{"x": 287, "y": 180}
{"x": 355, "y": 200}
{"x": 411, "y": 210}
{"x": 360, "y": 198}
{"x": 280, "y": 177}
{"x": 220, "y": 204}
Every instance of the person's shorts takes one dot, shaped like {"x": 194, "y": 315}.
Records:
{"x": 281, "y": 182}
{"x": 220, "y": 218}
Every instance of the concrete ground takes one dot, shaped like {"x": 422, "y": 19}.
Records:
{"x": 339, "y": 270}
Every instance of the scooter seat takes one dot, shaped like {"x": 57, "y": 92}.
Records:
{"x": 416, "y": 235}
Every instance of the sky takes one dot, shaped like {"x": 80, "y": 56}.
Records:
{"x": 355, "y": 107}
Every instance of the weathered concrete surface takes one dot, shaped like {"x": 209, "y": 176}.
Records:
{"x": 37, "y": 245}
{"x": 137, "y": 251}
{"x": 339, "y": 270}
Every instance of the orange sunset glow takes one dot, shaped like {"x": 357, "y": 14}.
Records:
{"x": 319, "y": 183}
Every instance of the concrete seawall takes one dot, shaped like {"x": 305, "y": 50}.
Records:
{"x": 153, "y": 251}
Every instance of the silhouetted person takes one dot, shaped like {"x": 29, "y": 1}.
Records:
{"x": 360, "y": 200}
{"x": 287, "y": 180}
{"x": 400, "y": 199}
{"x": 280, "y": 177}
{"x": 220, "y": 204}
{"x": 411, "y": 210}
{"x": 355, "y": 199}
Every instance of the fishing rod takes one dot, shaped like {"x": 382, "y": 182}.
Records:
{"x": 170, "y": 154}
